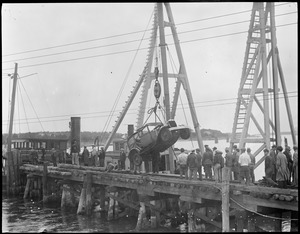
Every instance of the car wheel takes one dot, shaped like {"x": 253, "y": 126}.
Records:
{"x": 165, "y": 134}
{"x": 185, "y": 133}
{"x": 137, "y": 159}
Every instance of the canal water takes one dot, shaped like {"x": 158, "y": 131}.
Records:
{"x": 30, "y": 216}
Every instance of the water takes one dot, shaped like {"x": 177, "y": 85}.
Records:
{"x": 23, "y": 216}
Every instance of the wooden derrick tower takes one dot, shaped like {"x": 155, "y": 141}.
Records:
{"x": 258, "y": 88}
{"x": 148, "y": 76}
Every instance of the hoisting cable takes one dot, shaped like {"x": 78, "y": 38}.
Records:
{"x": 124, "y": 82}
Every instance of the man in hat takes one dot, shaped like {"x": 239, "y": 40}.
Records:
{"x": 199, "y": 157}
{"x": 218, "y": 164}
{"x": 207, "y": 162}
{"x": 122, "y": 159}
{"x": 228, "y": 162}
{"x": 192, "y": 163}
{"x": 273, "y": 154}
{"x": 287, "y": 153}
{"x": 282, "y": 174}
{"x": 236, "y": 167}
{"x": 251, "y": 166}
{"x": 182, "y": 162}
{"x": 244, "y": 162}
{"x": 295, "y": 166}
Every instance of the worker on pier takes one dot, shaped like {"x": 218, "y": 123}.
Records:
{"x": 74, "y": 151}
{"x": 228, "y": 162}
{"x": 122, "y": 159}
{"x": 295, "y": 166}
{"x": 192, "y": 164}
{"x": 92, "y": 158}
{"x": 207, "y": 162}
{"x": 282, "y": 174}
{"x": 287, "y": 153}
{"x": 244, "y": 162}
{"x": 269, "y": 167}
{"x": 101, "y": 157}
{"x": 199, "y": 157}
{"x": 251, "y": 166}
{"x": 236, "y": 168}
{"x": 273, "y": 154}
{"x": 53, "y": 157}
{"x": 85, "y": 155}
{"x": 182, "y": 160}
{"x": 218, "y": 164}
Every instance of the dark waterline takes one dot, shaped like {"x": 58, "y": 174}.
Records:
{"x": 23, "y": 216}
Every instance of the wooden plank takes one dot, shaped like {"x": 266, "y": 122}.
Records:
{"x": 208, "y": 220}
{"x": 225, "y": 200}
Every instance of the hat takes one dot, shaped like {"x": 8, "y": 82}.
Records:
{"x": 214, "y": 148}
{"x": 288, "y": 148}
{"x": 205, "y": 146}
{"x": 273, "y": 146}
{"x": 182, "y": 149}
{"x": 227, "y": 149}
{"x": 198, "y": 150}
{"x": 295, "y": 147}
{"x": 235, "y": 146}
{"x": 219, "y": 152}
{"x": 266, "y": 150}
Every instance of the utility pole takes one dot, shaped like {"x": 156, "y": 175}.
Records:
{"x": 12, "y": 110}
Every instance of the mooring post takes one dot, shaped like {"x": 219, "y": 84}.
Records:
{"x": 82, "y": 200}
{"x": 45, "y": 185}
{"x": 191, "y": 220}
{"x": 88, "y": 201}
{"x": 225, "y": 200}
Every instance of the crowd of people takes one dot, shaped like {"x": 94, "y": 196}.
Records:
{"x": 281, "y": 167}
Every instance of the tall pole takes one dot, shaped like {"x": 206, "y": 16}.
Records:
{"x": 12, "y": 110}
{"x": 165, "y": 74}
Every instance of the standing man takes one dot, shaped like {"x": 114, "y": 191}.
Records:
{"x": 228, "y": 162}
{"x": 295, "y": 166}
{"x": 199, "y": 157}
{"x": 282, "y": 174}
{"x": 235, "y": 168}
{"x": 287, "y": 153}
{"x": 93, "y": 157}
{"x": 182, "y": 162}
{"x": 244, "y": 161}
{"x": 251, "y": 166}
{"x": 269, "y": 164}
{"x": 155, "y": 162}
{"x": 53, "y": 157}
{"x": 74, "y": 151}
{"x": 192, "y": 163}
{"x": 102, "y": 157}
{"x": 218, "y": 164}
{"x": 122, "y": 159}
{"x": 273, "y": 154}
{"x": 85, "y": 155}
{"x": 207, "y": 162}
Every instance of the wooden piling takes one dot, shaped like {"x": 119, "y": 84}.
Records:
{"x": 191, "y": 219}
{"x": 45, "y": 186}
{"x": 153, "y": 218}
{"x": 82, "y": 199}
{"x": 251, "y": 222}
{"x": 225, "y": 200}
{"x": 141, "y": 217}
{"x": 110, "y": 213}
{"x": 27, "y": 188}
{"x": 102, "y": 198}
{"x": 88, "y": 201}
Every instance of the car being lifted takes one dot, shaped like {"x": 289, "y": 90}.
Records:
{"x": 153, "y": 138}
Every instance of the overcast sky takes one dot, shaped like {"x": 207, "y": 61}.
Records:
{"x": 76, "y": 57}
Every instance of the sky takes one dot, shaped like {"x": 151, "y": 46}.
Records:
{"x": 83, "y": 59}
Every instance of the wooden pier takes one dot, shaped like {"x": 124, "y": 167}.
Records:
{"x": 227, "y": 206}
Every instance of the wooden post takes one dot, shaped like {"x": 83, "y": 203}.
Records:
{"x": 141, "y": 217}
{"x": 239, "y": 220}
{"x": 88, "y": 201}
{"x": 251, "y": 222}
{"x": 28, "y": 182}
{"x": 82, "y": 200}
{"x": 225, "y": 200}
{"x": 102, "y": 198}
{"x": 153, "y": 218}
{"x": 63, "y": 202}
{"x": 45, "y": 186}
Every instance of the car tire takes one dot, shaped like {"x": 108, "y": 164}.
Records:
{"x": 165, "y": 134}
{"x": 185, "y": 133}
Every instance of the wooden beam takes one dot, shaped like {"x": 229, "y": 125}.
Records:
{"x": 208, "y": 220}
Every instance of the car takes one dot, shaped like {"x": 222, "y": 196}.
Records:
{"x": 152, "y": 138}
